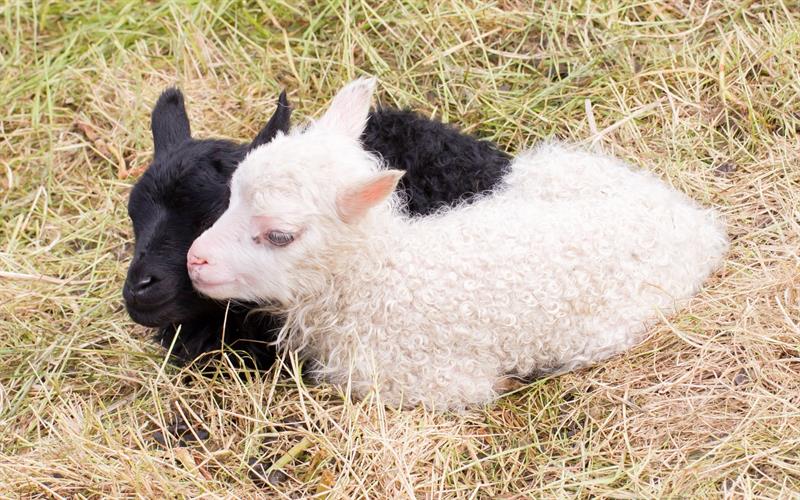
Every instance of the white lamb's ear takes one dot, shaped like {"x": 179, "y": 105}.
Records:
{"x": 354, "y": 202}
{"x": 349, "y": 110}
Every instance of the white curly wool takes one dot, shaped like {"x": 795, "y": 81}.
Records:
{"x": 563, "y": 266}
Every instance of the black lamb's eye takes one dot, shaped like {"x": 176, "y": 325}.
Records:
{"x": 279, "y": 238}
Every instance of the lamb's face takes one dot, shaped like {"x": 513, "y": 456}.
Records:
{"x": 174, "y": 202}
{"x": 280, "y": 217}
{"x": 292, "y": 200}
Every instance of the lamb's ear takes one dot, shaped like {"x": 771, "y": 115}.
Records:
{"x": 279, "y": 122}
{"x": 169, "y": 122}
{"x": 354, "y": 202}
{"x": 349, "y": 110}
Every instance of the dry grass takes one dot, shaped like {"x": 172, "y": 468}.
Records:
{"x": 706, "y": 93}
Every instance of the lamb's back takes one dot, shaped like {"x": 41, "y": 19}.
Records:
{"x": 577, "y": 249}
{"x": 561, "y": 267}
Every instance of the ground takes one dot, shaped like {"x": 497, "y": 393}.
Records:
{"x": 704, "y": 93}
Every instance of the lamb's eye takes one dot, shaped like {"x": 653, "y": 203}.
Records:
{"x": 279, "y": 238}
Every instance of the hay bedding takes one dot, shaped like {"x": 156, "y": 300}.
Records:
{"x": 703, "y": 93}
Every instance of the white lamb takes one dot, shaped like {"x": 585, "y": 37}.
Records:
{"x": 562, "y": 267}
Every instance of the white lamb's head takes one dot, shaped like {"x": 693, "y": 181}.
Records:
{"x": 292, "y": 200}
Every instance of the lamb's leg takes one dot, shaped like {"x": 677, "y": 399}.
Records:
{"x": 507, "y": 383}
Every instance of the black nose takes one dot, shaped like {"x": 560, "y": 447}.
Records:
{"x": 142, "y": 290}
{"x": 143, "y": 284}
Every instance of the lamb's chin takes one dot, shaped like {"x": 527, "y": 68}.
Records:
{"x": 217, "y": 291}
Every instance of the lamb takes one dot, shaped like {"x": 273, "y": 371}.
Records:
{"x": 563, "y": 266}
{"x": 185, "y": 189}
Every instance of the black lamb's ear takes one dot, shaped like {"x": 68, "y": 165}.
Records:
{"x": 169, "y": 122}
{"x": 279, "y": 122}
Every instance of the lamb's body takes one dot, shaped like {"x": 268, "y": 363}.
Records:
{"x": 561, "y": 268}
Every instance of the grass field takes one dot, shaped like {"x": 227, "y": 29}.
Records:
{"x": 704, "y": 93}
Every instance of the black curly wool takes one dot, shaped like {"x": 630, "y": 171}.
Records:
{"x": 442, "y": 165}
{"x": 185, "y": 189}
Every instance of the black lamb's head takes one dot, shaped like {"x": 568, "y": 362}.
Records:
{"x": 184, "y": 190}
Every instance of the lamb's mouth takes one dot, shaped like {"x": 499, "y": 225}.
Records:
{"x": 152, "y": 316}
{"x": 212, "y": 288}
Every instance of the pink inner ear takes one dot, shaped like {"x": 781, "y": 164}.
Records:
{"x": 373, "y": 193}
{"x": 354, "y": 202}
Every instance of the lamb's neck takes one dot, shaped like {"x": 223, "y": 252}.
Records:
{"x": 353, "y": 266}
{"x": 376, "y": 240}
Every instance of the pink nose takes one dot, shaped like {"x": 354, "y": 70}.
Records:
{"x": 194, "y": 261}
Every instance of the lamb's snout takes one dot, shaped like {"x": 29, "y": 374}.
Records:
{"x": 193, "y": 261}
{"x": 198, "y": 263}
{"x": 207, "y": 267}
